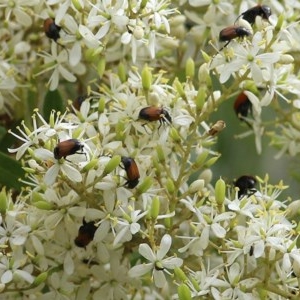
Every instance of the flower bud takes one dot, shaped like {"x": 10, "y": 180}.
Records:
{"x": 90, "y": 165}
{"x": 203, "y": 74}
{"x": 286, "y": 59}
{"x": 143, "y": 3}
{"x": 196, "y": 186}
{"x": 168, "y": 222}
{"x": 280, "y": 21}
{"x": 179, "y": 88}
{"x": 160, "y": 154}
{"x": 206, "y": 175}
{"x": 101, "y": 66}
{"x": 155, "y": 206}
{"x": 195, "y": 284}
{"x": 180, "y": 274}
{"x": 190, "y": 68}
{"x": 40, "y": 279}
{"x": 175, "y": 135}
{"x": 170, "y": 186}
{"x": 220, "y": 189}
{"x": 184, "y": 292}
{"x": 211, "y": 161}
{"x": 122, "y": 72}
{"x": 200, "y": 160}
{"x": 206, "y": 57}
{"x": 138, "y": 32}
{"x": 36, "y": 197}
{"x": 201, "y": 97}
{"x": 112, "y": 164}
{"x": 146, "y": 78}
{"x": 120, "y": 129}
{"x": 101, "y": 105}
{"x": 78, "y": 4}
{"x": 145, "y": 185}
{"x": 44, "y": 205}
{"x": 3, "y": 201}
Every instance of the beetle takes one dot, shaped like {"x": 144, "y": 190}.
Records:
{"x": 132, "y": 172}
{"x": 250, "y": 15}
{"x": 242, "y": 106}
{"x": 78, "y": 101}
{"x": 51, "y": 29}
{"x": 246, "y": 185}
{"x": 86, "y": 234}
{"x": 153, "y": 113}
{"x": 68, "y": 147}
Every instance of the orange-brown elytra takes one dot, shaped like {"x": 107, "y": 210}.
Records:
{"x": 242, "y": 106}
{"x": 154, "y": 113}
{"x": 51, "y": 29}
{"x": 250, "y": 15}
{"x": 132, "y": 172}
{"x": 246, "y": 184}
{"x": 68, "y": 147}
{"x": 86, "y": 234}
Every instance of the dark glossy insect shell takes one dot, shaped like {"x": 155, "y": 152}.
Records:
{"x": 66, "y": 148}
{"x": 51, "y": 29}
{"x": 250, "y": 15}
{"x": 78, "y": 101}
{"x": 132, "y": 172}
{"x": 232, "y": 32}
{"x": 153, "y": 113}
{"x": 246, "y": 184}
{"x": 85, "y": 234}
{"x": 242, "y": 105}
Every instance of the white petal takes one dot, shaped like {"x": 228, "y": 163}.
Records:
{"x": 25, "y": 275}
{"x": 146, "y": 251}
{"x": 172, "y": 262}
{"x": 72, "y": 173}
{"x": 165, "y": 245}
{"x": 7, "y": 276}
{"x": 75, "y": 54}
{"x": 68, "y": 264}
{"x": 135, "y": 227}
{"x": 66, "y": 74}
{"x": 140, "y": 270}
{"x": 51, "y": 175}
{"x": 159, "y": 278}
{"x": 218, "y": 230}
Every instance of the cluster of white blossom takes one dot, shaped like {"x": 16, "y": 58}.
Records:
{"x": 78, "y": 229}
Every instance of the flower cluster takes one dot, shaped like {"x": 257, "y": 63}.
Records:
{"x": 118, "y": 200}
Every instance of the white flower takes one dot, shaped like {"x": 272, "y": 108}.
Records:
{"x": 158, "y": 264}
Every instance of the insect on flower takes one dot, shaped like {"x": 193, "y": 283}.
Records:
{"x": 153, "y": 113}
{"x": 51, "y": 29}
{"x": 250, "y": 15}
{"x": 132, "y": 172}
{"x": 85, "y": 234}
{"x": 246, "y": 184}
{"x": 242, "y": 106}
{"x": 68, "y": 147}
{"x": 231, "y": 32}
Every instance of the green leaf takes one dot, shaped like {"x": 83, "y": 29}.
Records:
{"x": 10, "y": 172}
{"x": 53, "y": 101}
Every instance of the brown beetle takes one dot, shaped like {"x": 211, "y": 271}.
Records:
{"x": 132, "y": 172}
{"x": 51, "y": 29}
{"x": 85, "y": 234}
{"x": 250, "y": 15}
{"x": 153, "y": 113}
{"x": 68, "y": 147}
{"x": 246, "y": 184}
{"x": 242, "y": 107}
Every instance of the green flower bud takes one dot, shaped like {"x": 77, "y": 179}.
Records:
{"x": 250, "y": 85}
{"x": 179, "y": 88}
{"x": 175, "y": 135}
{"x": 122, "y": 72}
{"x": 180, "y": 274}
{"x": 90, "y": 165}
{"x": 44, "y": 205}
{"x": 160, "y": 154}
{"x": 52, "y": 119}
{"x": 120, "y": 129}
{"x": 36, "y": 197}
{"x": 280, "y": 21}
{"x": 201, "y": 97}
{"x": 112, "y": 164}
{"x": 155, "y": 206}
{"x": 168, "y": 222}
{"x": 203, "y": 74}
{"x": 40, "y": 279}
{"x": 144, "y": 3}
{"x": 195, "y": 284}
{"x": 211, "y": 161}
{"x": 206, "y": 57}
{"x": 190, "y": 68}
{"x": 78, "y": 5}
{"x": 184, "y": 292}
{"x": 101, "y": 66}
{"x": 145, "y": 185}
{"x": 170, "y": 186}
{"x": 101, "y": 105}
{"x": 220, "y": 189}
{"x": 146, "y": 78}
{"x": 200, "y": 160}
{"x": 3, "y": 201}
{"x": 29, "y": 170}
